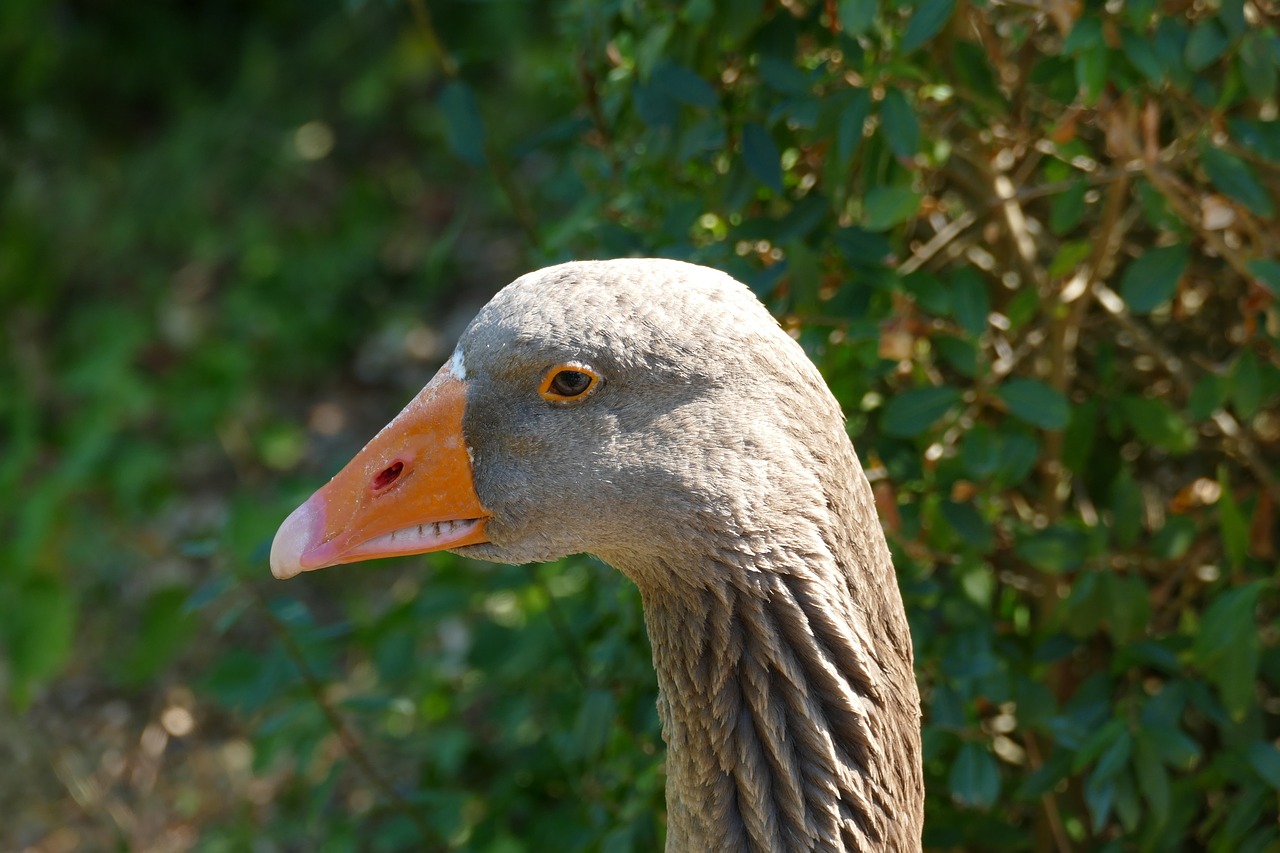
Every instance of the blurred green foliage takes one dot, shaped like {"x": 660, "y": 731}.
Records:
{"x": 1032, "y": 249}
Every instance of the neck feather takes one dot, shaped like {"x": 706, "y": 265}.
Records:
{"x": 788, "y": 704}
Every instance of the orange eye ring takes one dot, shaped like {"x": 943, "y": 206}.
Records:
{"x": 568, "y": 383}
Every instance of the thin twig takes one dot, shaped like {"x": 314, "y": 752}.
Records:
{"x": 350, "y": 743}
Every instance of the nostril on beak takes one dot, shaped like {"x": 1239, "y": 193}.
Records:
{"x": 387, "y": 476}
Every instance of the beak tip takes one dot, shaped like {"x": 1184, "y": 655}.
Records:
{"x": 295, "y": 536}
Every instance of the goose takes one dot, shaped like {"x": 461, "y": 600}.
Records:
{"x": 654, "y": 414}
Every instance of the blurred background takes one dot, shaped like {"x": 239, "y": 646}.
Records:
{"x": 1031, "y": 246}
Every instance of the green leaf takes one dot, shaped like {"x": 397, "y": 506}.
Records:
{"x": 1246, "y": 384}
{"x": 162, "y": 633}
{"x": 1036, "y": 403}
{"x": 1127, "y": 606}
{"x": 1156, "y": 423}
{"x": 912, "y": 412}
{"x": 762, "y": 156}
{"x": 885, "y": 207}
{"x": 1054, "y": 549}
{"x": 1226, "y": 647}
{"x": 857, "y": 16}
{"x": 1258, "y": 67}
{"x": 1264, "y": 758}
{"x": 899, "y": 124}
{"x": 960, "y": 354}
{"x": 970, "y": 304}
{"x": 1099, "y": 795}
{"x": 784, "y": 76}
{"x": 1232, "y": 525}
{"x": 974, "y": 777}
{"x": 1127, "y": 510}
{"x": 1153, "y": 279}
{"x": 1115, "y": 757}
{"x": 1267, "y": 272}
{"x": 1174, "y": 747}
{"x": 1236, "y": 178}
{"x": 1207, "y": 396}
{"x": 1206, "y": 44}
{"x": 1153, "y": 778}
{"x": 1066, "y": 209}
{"x": 965, "y": 520}
{"x": 1092, "y": 67}
{"x": 683, "y": 85}
{"x": 595, "y": 719}
{"x": 853, "y": 118}
{"x": 39, "y": 631}
{"x": 1071, "y": 254}
{"x": 1142, "y": 56}
{"x": 980, "y": 452}
{"x": 464, "y": 128}
{"x": 927, "y": 20}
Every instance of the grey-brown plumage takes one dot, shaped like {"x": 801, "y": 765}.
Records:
{"x": 712, "y": 467}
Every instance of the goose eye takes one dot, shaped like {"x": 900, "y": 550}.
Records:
{"x": 568, "y": 383}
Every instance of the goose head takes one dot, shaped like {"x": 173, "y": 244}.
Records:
{"x": 630, "y": 409}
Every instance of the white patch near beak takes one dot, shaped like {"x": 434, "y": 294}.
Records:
{"x": 457, "y": 366}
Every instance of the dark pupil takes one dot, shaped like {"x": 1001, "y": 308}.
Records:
{"x": 570, "y": 383}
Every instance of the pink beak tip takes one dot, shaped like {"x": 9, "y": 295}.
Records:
{"x": 296, "y": 536}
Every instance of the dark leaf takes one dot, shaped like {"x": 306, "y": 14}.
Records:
{"x": 762, "y": 156}
{"x": 1206, "y": 44}
{"x": 683, "y": 85}
{"x": 900, "y": 126}
{"x": 1226, "y": 646}
{"x": 853, "y": 119}
{"x": 885, "y": 207}
{"x": 1267, "y": 272}
{"x": 1036, "y": 403}
{"x": 1153, "y": 279}
{"x": 1142, "y": 56}
{"x": 1099, "y": 795}
{"x": 912, "y": 412}
{"x": 927, "y": 20}
{"x": 969, "y": 301}
{"x": 464, "y": 128}
{"x": 856, "y": 16}
{"x": 1157, "y": 423}
{"x": 1153, "y": 778}
{"x": 1236, "y": 178}
{"x": 1264, "y": 758}
{"x": 975, "y": 777}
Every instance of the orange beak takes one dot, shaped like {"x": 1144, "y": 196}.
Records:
{"x": 409, "y": 491}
